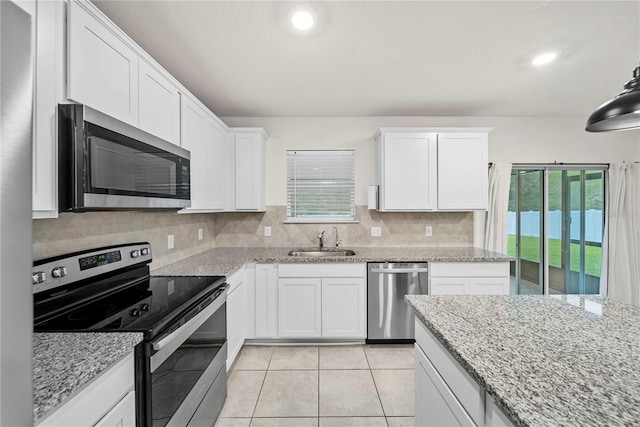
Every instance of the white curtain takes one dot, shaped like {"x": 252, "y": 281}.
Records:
{"x": 622, "y": 218}
{"x": 495, "y": 231}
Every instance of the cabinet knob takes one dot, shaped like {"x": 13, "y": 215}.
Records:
{"x": 39, "y": 277}
{"x": 59, "y": 272}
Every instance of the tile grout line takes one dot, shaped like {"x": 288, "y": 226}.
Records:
{"x": 376, "y": 386}
{"x": 319, "y": 386}
{"x": 261, "y": 387}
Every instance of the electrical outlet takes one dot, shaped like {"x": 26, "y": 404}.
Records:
{"x": 200, "y": 234}
{"x": 376, "y": 231}
{"x": 170, "y": 241}
{"x": 267, "y": 231}
{"x": 428, "y": 231}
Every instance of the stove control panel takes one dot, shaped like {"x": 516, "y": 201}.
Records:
{"x": 63, "y": 270}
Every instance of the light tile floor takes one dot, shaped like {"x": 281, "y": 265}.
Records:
{"x": 326, "y": 386}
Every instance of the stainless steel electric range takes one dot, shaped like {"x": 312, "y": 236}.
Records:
{"x": 180, "y": 374}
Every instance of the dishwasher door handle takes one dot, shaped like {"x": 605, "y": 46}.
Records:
{"x": 398, "y": 270}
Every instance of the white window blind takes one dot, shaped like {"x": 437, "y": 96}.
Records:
{"x": 321, "y": 186}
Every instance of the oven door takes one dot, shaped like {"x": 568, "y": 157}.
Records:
{"x": 188, "y": 381}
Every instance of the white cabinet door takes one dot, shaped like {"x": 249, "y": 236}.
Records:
{"x": 266, "y": 301}
{"x": 463, "y": 171}
{"x": 250, "y": 171}
{"x": 122, "y": 415}
{"x": 158, "y": 104}
{"x": 469, "y": 278}
{"x": 195, "y": 138}
{"x": 299, "y": 304}
{"x": 435, "y": 404}
{"x": 343, "y": 308}
{"x": 48, "y": 92}
{"x": 102, "y": 70}
{"x": 488, "y": 286}
{"x": 448, "y": 285}
{"x": 219, "y": 168}
{"x": 236, "y": 322}
{"x": 408, "y": 171}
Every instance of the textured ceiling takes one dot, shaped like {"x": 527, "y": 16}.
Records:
{"x": 397, "y": 58}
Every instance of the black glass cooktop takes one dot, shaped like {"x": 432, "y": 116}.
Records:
{"x": 127, "y": 302}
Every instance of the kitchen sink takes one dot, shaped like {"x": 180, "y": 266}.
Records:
{"x": 313, "y": 254}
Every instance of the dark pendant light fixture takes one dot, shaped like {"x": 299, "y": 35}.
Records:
{"x": 620, "y": 113}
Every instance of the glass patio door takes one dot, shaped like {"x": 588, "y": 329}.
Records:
{"x": 555, "y": 228}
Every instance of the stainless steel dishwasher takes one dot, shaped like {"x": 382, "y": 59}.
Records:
{"x": 389, "y": 319}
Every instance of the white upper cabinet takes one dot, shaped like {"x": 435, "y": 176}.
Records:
{"x": 219, "y": 174}
{"x": 102, "y": 70}
{"x": 203, "y": 137}
{"x": 250, "y": 169}
{"x": 407, "y": 171}
{"x": 158, "y": 104}
{"x": 109, "y": 73}
{"x": 463, "y": 174}
{"x": 48, "y": 92}
{"x": 432, "y": 169}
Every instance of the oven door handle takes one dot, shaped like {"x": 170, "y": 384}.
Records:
{"x": 167, "y": 345}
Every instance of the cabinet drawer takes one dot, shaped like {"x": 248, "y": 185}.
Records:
{"x": 469, "y": 269}
{"x": 436, "y": 405}
{"x": 321, "y": 270}
{"x": 96, "y": 399}
{"x": 466, "y": 390}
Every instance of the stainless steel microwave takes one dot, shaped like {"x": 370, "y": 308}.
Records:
{"x": 107, "y": 164}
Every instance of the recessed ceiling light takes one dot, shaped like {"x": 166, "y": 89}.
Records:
{"x": 302, "y": 20}
{"x": 544, "y": 58}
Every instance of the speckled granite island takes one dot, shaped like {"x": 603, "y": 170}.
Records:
{"x": 226, "y": 261}
{"x": 65, "y": 363}
{"x": 556, "y": 360}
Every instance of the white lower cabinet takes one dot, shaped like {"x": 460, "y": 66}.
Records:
{"x": 445, "y": 393}
{"x": 436, "y": 405}
{"x": 236, "y": 315}
{"x": 322, "y": 300}
{"x": 107, "y": 401}
{"x": 469, "y": 278}
{"x": 123, "y": 414}
{"x": 266, "y": 301}
{"x": 299, "y": 306}
{"x": 343, "y": 307}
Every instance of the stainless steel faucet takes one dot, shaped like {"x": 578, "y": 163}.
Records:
{"x": 321, "y": 240}
{"x": 338, "y": 241}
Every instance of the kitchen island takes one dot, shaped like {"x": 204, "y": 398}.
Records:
{"x": 541, "y": 360}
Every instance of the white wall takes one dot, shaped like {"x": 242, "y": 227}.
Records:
{"x": 513, "y": 139}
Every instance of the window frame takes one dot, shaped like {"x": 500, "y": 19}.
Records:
{"x": 320, "y": 219}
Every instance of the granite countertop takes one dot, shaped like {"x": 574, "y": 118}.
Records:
{"x": 63, "y": 363}
{"x": 547, "y": 360}
{"x": 226, "y": 261}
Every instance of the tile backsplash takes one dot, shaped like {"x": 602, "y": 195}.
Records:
{"x": 79, "y": 231}
{"x": 398, "y": 229}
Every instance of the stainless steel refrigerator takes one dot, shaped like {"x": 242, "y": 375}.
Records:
{"x": 16, "y": 302}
